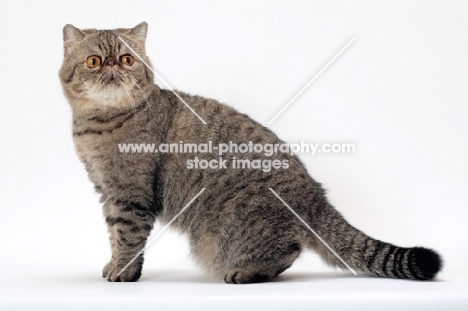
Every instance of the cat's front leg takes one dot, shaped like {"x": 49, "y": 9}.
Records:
{"x": 129, "y": 225}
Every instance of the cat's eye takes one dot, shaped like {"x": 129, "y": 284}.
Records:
{"x": 93, "y": 61}
{"x": 127, "y": 59}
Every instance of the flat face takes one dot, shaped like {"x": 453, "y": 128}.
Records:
{"x": 100, "y": 68}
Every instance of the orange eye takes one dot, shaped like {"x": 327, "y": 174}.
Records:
{"x": 93, "y": 61}
{"x": 127, "y": 59}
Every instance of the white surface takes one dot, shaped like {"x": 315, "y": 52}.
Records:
{"x": 182, "y": 291}
{"x": 399, "y": 93}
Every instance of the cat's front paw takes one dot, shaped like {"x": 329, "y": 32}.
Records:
{"x": 107, "y": 269}
{"x": 131, "y": 274}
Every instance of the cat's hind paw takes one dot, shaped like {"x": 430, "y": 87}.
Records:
{"x": 111, "y": 273}
{"x": 243, "y": 276}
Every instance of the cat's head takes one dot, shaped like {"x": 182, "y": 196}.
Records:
{"x": 101, "y": 72}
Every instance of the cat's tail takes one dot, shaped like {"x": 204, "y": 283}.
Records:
{"x": 369, "y": 255}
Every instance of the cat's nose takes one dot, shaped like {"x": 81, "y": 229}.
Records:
{"x": 110, "y": 61}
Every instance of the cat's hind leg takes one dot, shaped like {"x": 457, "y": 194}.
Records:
{"x": 258, "y": 240}
{"x": 264, "y": 263}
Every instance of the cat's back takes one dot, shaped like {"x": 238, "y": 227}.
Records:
{"x": 222, "y": 122}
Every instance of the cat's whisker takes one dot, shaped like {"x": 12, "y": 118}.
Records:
{"x": 98, "y": 80}
{"x": 131, "y": 88}
{"x": 142, "y": 95}
{"x": 81, "y": 93}
{"x": 145, "y": 96}
{"x": 148, "y": 110}
{"x": 85, "y": 89}
{"x": 132, "y": 103}
{"x": 128, "y": 91}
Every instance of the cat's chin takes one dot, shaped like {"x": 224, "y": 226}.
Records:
{"x": 112, "y": 95}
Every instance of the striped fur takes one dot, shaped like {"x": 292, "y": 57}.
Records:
{"x": 238, "y": 230}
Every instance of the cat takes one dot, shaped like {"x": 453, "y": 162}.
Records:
{"x": 238, "y": 230}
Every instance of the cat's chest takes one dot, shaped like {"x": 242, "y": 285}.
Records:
{"x": 97, "y": 154}
{"x": 92, "y": 146}
{"x": 97, "y": 142}
{"x": 104, "y": 159}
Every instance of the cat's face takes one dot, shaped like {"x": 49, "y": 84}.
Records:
{"x": 99, "y": 71}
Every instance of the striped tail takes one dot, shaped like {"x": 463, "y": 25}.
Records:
{"x": 369, "y": 255}
{"x": 387, "y": 260}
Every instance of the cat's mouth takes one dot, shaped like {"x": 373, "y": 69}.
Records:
{"x": 111, "y": 76}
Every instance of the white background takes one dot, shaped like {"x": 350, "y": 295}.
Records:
{"x": 399, "y": 93}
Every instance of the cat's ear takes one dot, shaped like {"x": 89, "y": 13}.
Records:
{"x": 139, "y": 31}
{"x": 71, "y": 35}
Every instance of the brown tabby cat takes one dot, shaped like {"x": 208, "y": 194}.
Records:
{"x": 238, "y": 229}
